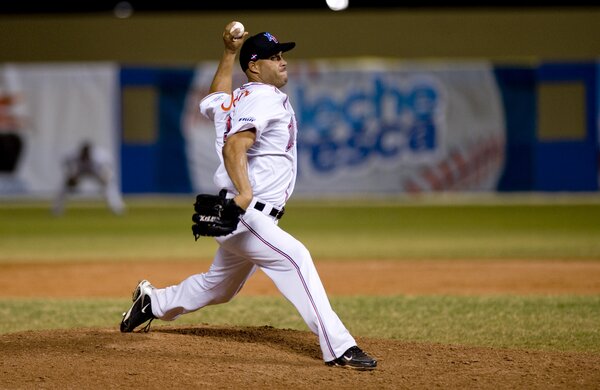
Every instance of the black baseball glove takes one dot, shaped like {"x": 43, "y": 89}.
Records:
{"x": 215, "y": 215}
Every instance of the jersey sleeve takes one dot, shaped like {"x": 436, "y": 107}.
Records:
{"x": 215, "y": 103}
{"x": 254, "y": 110}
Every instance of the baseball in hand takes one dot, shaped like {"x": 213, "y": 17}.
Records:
{"x": 237, "y": 30}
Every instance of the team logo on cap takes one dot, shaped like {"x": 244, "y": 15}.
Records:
{"x": 271, "y": 37}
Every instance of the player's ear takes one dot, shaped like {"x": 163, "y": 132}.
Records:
{"x": 253, "y": 66}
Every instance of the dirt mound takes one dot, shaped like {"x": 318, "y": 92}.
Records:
{"x": 265, "y": 357}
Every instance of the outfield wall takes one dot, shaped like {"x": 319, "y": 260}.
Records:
{"x": 523, "y": 32}
{"x": 367, "y": 126}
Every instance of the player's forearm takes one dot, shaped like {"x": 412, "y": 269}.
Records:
{"x": 222, "y": 81}
{"x": 235, "y": 159}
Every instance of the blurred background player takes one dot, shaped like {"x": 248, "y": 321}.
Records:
{"x": 89, "y": 162}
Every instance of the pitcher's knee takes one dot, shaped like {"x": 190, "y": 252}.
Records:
{"x": 300, "y": 254}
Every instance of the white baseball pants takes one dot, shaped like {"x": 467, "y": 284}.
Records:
{"x": 259, "y": 242}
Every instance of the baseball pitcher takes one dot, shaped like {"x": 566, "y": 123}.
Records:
{"x": 256, "y": 141}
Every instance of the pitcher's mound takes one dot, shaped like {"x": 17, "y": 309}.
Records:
{"x": 205, "y": 356}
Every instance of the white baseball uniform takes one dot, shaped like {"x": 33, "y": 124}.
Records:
{"x": 258, "y": 240}
{"x": 99, "y": 167}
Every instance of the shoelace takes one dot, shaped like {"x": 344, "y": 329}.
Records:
{"x": 146, "y": 328}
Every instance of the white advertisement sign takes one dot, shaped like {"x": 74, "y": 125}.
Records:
{"x": 379, "y": 127}
{"x": 46, "y": 112}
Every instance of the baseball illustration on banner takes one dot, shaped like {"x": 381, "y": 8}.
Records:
{"x": 237, "y": 30}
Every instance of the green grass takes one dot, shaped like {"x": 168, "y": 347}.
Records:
{"x": 452, "y": 231}
{"x": 88, "y": 231}
{"x": 160, "y": 229}
{"x": 563, "y": 323}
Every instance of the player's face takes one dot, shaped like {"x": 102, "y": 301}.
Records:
{"x": 273, "y": 70}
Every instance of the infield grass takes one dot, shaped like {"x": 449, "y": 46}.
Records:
{"x": 161, "y": 229}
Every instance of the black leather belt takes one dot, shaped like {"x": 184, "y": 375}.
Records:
{"x": 260, "y": 206}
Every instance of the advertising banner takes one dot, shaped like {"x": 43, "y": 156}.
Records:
{"x": 378, "y": 127}
{"x": 46, "y": 112}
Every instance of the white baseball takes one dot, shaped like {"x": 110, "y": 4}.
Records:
{"x": 237, "y": 30}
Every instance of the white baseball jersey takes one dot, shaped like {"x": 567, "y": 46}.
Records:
{"x": 272, "y": 162}
{"x": 258, "y": 241}
{"x": 216, "y": 107}
{"x": 99, "y": 166}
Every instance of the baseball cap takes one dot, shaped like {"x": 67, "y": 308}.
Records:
{"x": 260, "y": 47}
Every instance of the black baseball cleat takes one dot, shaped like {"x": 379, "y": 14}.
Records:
{"x": 141, "y": 309}
{"x": 354, "y": 358}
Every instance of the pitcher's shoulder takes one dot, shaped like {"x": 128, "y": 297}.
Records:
{"x": 256, "y": 87}
{"x": 265, "y": 92}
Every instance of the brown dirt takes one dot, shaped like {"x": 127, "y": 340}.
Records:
{"x": 340, "y": 278}
{"x": 183, "y": 357}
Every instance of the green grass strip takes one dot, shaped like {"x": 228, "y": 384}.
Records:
{"x": 342, "y": 230}
{"x": 559, "y": 323}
